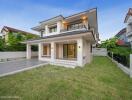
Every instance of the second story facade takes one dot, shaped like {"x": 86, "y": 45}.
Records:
{"x": 86, "y": 20}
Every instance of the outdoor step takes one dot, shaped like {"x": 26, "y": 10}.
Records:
{"x": 70, "y": 65}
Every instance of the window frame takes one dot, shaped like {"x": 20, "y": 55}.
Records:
{"x": 53, "y": 29}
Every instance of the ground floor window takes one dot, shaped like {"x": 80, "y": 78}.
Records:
{"x": 70, "y": 50}
{"x": 47, "y": 49}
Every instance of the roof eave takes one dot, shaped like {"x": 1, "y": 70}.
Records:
{"x": 58, "y": 36}
{"x": 59, "y": 16}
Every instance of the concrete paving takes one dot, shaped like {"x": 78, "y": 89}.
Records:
{"x": 13, "y": 67}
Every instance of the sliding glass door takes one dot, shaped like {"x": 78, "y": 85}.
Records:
{"x": 69, "y": 50}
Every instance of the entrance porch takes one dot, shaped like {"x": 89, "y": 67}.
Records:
{"x": 65, "y": 51}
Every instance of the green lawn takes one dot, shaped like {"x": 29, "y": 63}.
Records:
{"x": 99, "y": 80}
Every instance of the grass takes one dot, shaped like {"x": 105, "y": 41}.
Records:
{"x": 99, "y": 80}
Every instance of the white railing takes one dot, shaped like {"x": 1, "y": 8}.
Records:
{"x": 48, "y": 34}
{"x": 74, "y": 28}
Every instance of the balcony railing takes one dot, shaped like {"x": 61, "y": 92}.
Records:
{"x": 74, "y": 28}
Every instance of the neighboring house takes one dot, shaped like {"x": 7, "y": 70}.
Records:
{"x": 122, "y": 38}
{"x": 7, "y": 30}
{"x": 68, "y": 40}
{"x": 128, "y": 21}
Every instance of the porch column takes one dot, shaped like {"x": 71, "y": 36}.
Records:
{"x": 80, "y": 52}
{"x": 53, "y": 51}
{"x": 46, "y": 29}
{"x": 58, "y": 27}
{"x": 28, "y": 53}
{"x": 40, "y": 50}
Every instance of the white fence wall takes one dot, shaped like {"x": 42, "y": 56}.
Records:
{"x": 6, "y": 55}
{"x": 99, "y": 52}
{"x": 131, "y": 65}
{"x": 124, "y": 68}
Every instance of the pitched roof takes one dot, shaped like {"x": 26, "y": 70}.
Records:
{"x": 129, "y": 13}
{"x": 123, "y": 31}
{"x": 6, "y": 28}
{"x": 56, "y": 17}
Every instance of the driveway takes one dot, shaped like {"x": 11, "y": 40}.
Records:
{"x": 13, "y": 67}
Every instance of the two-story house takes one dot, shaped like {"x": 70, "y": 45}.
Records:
{"x": 122, "y": 38}
{"x": 128, "y": 21}
{"x": 68, "y": 40}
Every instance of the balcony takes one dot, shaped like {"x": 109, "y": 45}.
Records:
{"x": 75, "y": 28}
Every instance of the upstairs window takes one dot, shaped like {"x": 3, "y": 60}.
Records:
{"x": 53, "y": 29}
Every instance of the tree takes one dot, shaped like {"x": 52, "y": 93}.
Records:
{"x": 15, "y": 39}
{"x": 14, "y": 42}
{"x": 112, "y": 46}
{"x": 2, "y": 44}
{"x": 109, "y": 44}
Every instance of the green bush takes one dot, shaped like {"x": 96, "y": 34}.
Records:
{"x": 111, "y": 45}
{"x": 124, "y": 51}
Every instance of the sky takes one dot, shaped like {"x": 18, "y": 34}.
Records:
{"x": 25, "y": 14}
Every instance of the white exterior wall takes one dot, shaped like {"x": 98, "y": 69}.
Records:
{"x": 80, "y": 52}
{"x": 131, "y": 65}
{"x": 87, "y": 56}
{"x": 16, "y": 54}
{"x": 99, "y": 52}
{"x": 84, "y": 55}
